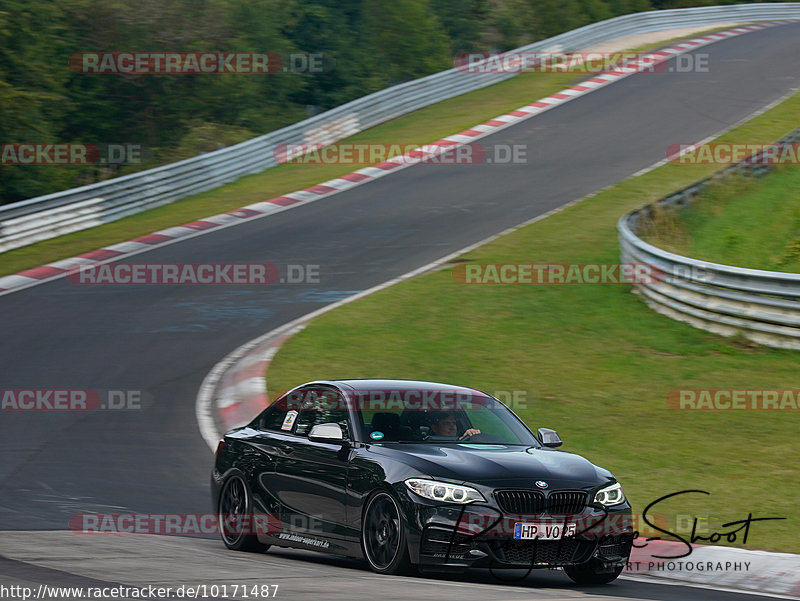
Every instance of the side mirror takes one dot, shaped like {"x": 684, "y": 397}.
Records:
{"x": 331, "y": 433}
{"x": 549, "y": 438}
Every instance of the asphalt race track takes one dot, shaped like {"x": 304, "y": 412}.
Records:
{"x": 162, "y": 340}
{"x": 141, "y": 560}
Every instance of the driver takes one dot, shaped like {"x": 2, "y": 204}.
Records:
{"x": 444, "y": 424}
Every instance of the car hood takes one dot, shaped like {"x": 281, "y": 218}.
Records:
{"x": 499, "y": 465}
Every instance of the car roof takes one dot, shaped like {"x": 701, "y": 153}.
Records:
{"x": 360, "y": 384}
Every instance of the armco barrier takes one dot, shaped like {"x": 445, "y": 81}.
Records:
{"x": 44, "y": 217}
{"x": 764, "y": 306}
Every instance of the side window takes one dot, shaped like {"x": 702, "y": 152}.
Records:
{"x": 322, "y": 406}
{"x": 274, "y": 415}
{"x": 282, "y": 415}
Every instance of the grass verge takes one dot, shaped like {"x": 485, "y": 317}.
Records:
{"x": 592, "y": 361}
{"x": 742, "y": 221}
{"x": 423, "y": 126}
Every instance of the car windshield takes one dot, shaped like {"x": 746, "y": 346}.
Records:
{"x": 440, "y": 416}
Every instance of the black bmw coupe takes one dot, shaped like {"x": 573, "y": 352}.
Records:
{"x": 408, "y": 474}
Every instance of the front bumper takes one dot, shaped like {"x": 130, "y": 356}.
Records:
{"x": 481, "y": 536}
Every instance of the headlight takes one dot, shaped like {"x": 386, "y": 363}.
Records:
{"x": 441, "y": 491}
{"x": 610, "y": 495}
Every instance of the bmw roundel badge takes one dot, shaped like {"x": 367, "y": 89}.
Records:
{"x": 541, "y": 484}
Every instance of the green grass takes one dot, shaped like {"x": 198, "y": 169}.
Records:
{"x": 592, "y": 361}
{"x": 423, "y": 126}
{"x": 744, "y": 221}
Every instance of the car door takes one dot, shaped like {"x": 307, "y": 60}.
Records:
{"x": 311, "y": 477}
{"x": 266, "y": 447}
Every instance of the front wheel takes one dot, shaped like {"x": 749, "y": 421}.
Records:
{"x": 383, "y": 536}
{"x": 235, "y": 517}
{"x": 591, "y": 572}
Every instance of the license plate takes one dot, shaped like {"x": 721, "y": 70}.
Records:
{"x": 542, "y": 530}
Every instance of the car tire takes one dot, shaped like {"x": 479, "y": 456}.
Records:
{"x": 235, "y": 517}
{"x": 591, "y": 573}
{"x": 383, "y": 536}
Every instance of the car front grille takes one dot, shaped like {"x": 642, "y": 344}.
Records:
{"x": 551, "y": 552}
{"x": 535, "y": 502}
{"x": 567, "y": 501}
{"x": 521, "y": 501}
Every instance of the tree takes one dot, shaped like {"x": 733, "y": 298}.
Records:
{"x": 407, "y": 39}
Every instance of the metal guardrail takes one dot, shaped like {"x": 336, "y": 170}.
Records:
{"x": 764, "y": 306}
{"x": 44, "y": 217}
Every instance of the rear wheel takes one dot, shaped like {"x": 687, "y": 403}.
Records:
{"x": 591, "y": 572}
{"x": 235, "y": 517}
{"x": 383, "y": 536}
